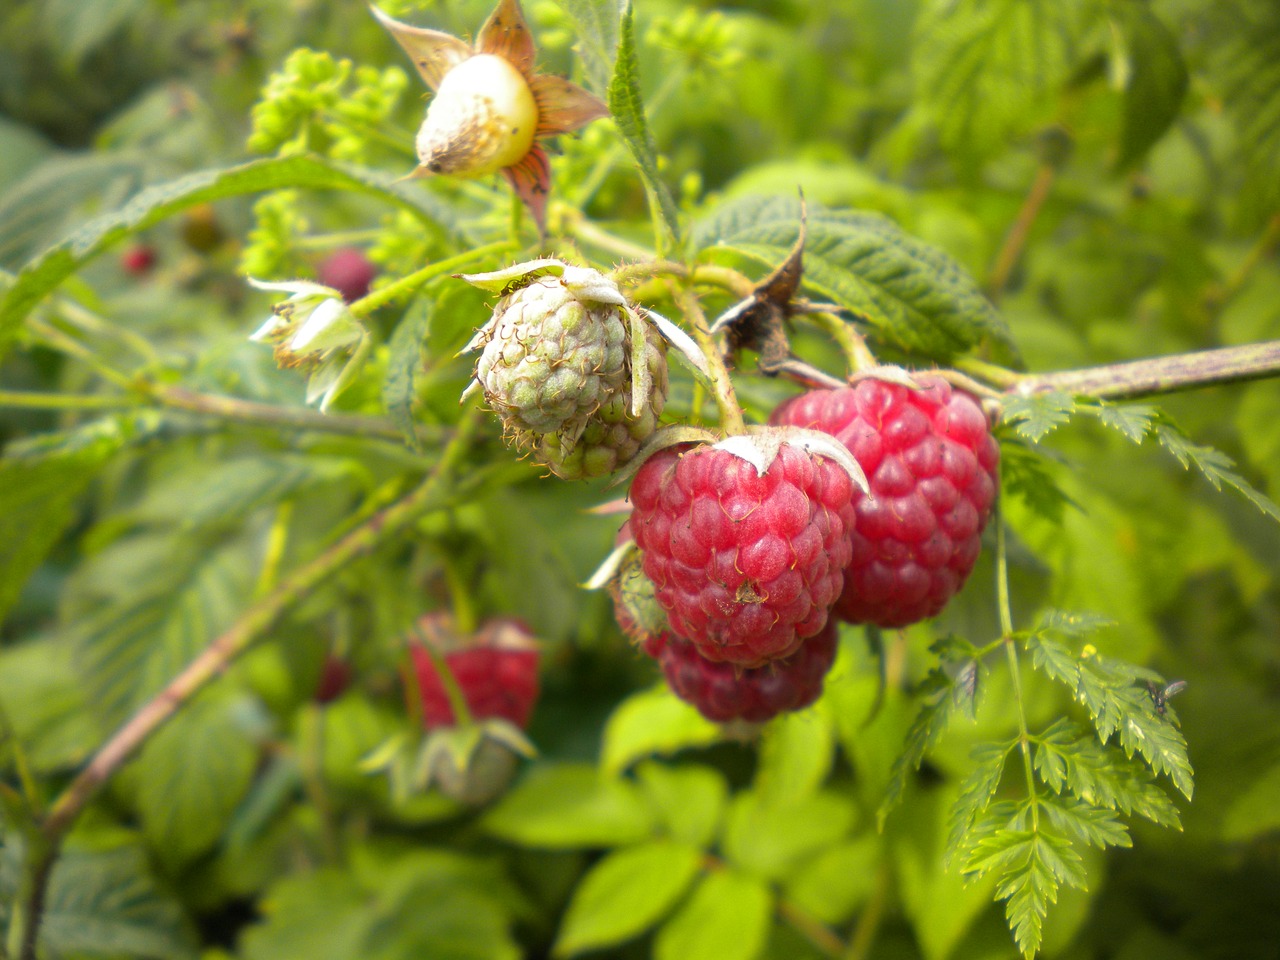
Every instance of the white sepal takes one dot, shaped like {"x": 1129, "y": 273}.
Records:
{"x": 300, "y": 289}
{"x": 609, "y": 568}
{"x": 685, "y": 346}
{"x": 588, "y": 284}
{"x": 498, "y": 280}
{"x": 330, "y": 326}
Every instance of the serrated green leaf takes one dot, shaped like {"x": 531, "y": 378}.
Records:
{"x": 193, "y": 773}
{"x": 132, "y": 648}
{"x": 1216, "y": 466}
{"x": 1024, "y": 473}
{"x": 404, "y": 361}
{"x": 598, "y": 24}
{"x": 627, "y": 106}
{"x": 570, "y": 805}
{"x": 652, "y": 722}
{"x": 150, "y": 206}
{"x": 1117, "y": 705}
{"x": 690, "y": 800}
{"x": 1039, "y": 414}
{"x": 1134, "y": 420}
{"x": 769, "y": 839}
{"x": 1156, "y": 77}
{"x": 625, "y": 894}
{"x": 1096, "y": 826}
{"x": 982, "y": 67}
{"x": 727, "y": 918}
{"x": 931, "y": 722}
{"x": 795, "y": 756}
{"x": 976, "y": 793}
{"x": 917, "y": 297}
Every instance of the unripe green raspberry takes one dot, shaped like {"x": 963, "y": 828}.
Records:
{"x": 613, "y": 435}
{"x": 561, "y": 368}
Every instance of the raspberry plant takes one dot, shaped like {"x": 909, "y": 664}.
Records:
{"x": 820, "y": 333}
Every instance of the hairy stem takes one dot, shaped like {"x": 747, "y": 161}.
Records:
{"x": 1141, "y": 378}
{"x": 411, "y": 282}
{"x": 1015, "y": 669}
{"x": 815, "y": 931}
{"x": 252, "y": 626}
{"x": 730, "y": 412}
{"x": 864, "y": 933}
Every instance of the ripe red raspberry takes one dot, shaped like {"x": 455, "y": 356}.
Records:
{"x": 723, "y": 692}
{"x": 746, "y": 565}
{"x": 931, "y": 462}
{"x": 497, "y": 671}
{"x": 349, "y": 272}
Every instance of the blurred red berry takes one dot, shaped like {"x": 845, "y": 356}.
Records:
{"x": 139, "y": 259}
{"x": 335, "y": 677}
{"x": 496, "y": 670}
{"x": 349, "y": 272}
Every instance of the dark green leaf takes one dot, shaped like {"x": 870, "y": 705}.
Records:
{"x": 1025, "y": 473}
{"x": 625, "y": 894}
{"x": 727, "y": 918}
{"x": 1216, "y": 466}
{"x": 982, "y": 67}
{"x": 1156, "y": 79}
{"x": 917, "y": 297}
{"x": 404, "y": 362}
{"x": 105, "y": 903}
{"x": 627, "y": 106}
{"x": 156, "y": 203}
{"x": 39, "y": 491}
{"x": 1039, "y": 414}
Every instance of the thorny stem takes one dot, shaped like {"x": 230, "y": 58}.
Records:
{"x": 1015, "y": 672}
{"x": 856, "y": 353}
{"x": 410, "y": 282}
{"x": 730, "y": 412}
{"x": 267, "y": 414}
{"x": 1016, "y": 240}
{"x": 252, "y": 626}
{"x": 1140, "y": 378}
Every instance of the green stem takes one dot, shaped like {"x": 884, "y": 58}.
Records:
{"x": 1016, "y": 240}
{"x": 465, "y": 618}
{"x": 1015, "y": 670}
{"x": 585, "y": 231}
{"x": 311, "y": 738}
{"x": 38, "y": 857}
{"x": 271, "y": 415}
{"x": 407, "y": 284}
{"x": 327, "y": 241}
{"x": 864, "y": 934}
{"x": 63, "y": 401}
{"x": 252, "y": 626}
{"x": 731, "y": 421}
{"x": 72, "y": 347}
{"x": 1259, "y": 252}
{"x": 458, "y": 705}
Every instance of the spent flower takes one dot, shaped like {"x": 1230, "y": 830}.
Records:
{"x": 491, "y": 107}
{"x": 313, "y": 330}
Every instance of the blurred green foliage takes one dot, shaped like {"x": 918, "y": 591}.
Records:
{"x": 1128, "y": 147}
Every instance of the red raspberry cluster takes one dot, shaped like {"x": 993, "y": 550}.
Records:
{"x": 744, "y": 567}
